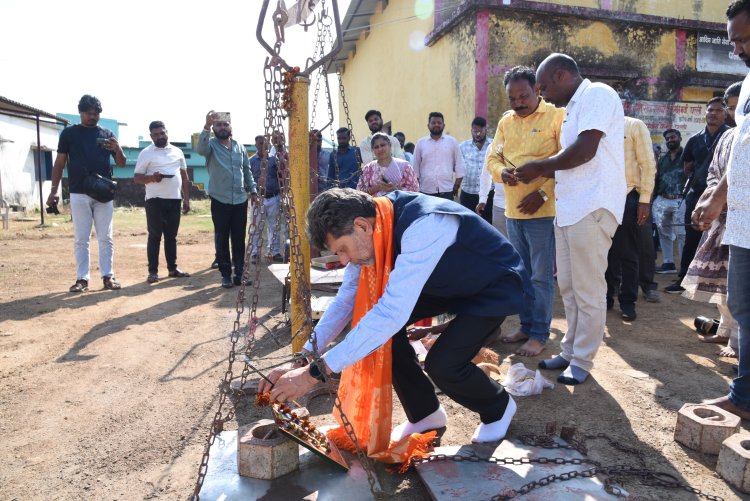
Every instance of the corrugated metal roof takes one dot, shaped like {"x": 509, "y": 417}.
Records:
{"x": 356, "y": 21}
{"x": 16, "y": 107}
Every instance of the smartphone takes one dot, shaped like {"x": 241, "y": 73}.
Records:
{"x": 222, "y": 116}
{"x": 102, "y": 141}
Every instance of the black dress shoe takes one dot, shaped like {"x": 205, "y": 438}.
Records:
{"x": 226, "y": 282}
{"x": 214, "y": 265}
{"x": 628, "y": 312}
{"x": 238, "y": 281}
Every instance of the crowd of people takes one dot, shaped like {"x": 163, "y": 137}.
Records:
{"x": 565, "y": 188}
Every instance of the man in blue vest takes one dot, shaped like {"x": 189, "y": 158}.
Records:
{"x": 447, "y": 260}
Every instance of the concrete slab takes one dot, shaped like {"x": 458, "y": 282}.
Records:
{"x": 448, "y": 480}
{"x": 314, "y": 481}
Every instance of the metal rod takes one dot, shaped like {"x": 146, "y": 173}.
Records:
{"x": 39, "y": 168}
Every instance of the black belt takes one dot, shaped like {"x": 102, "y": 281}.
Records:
{"x": 671, "y": 197}
{"x": 270, "y": 196}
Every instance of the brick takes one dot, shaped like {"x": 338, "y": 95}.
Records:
{"x": 704, "y": 427}
{"x": 264, "y": 453}
{"x": 734, "y": 461}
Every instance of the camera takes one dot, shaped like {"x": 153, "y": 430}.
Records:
{"x": 706, "y": 325}
{"x": 53, "y": 209}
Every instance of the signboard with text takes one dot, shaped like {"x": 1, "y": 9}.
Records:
{"x": 716, "y": 55}
{"x": 688, "y": 118}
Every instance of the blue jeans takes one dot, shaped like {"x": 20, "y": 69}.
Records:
{"x": 86, "y": 212}
{"x": 534, "y": 239}
{"x": 738, "y": 298}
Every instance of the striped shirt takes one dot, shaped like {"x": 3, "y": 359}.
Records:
{"x": 473, "y": 163}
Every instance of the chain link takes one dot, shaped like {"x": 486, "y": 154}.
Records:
{"x": 547, "y": 441}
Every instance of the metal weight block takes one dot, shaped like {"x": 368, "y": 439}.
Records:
{"x": 704, "y": 427}
{"x": 734, "y": 461}
{"x": 263, "y": 452}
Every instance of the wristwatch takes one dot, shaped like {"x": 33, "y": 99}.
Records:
{"x": 543, "y": 195}
{"x": 316, "y": 372}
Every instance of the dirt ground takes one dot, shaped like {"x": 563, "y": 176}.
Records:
{"x": 109, "y": 395}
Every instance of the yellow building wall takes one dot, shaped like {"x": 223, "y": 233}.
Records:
{"x": 638, "y": 60}
{"x": 386, "y": 73}
{"x": 703, "y": 10}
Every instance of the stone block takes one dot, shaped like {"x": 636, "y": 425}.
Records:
{"x": 264, "y": 453}
{"x": 704, "y": 427}
{"x": 734, "y": 461}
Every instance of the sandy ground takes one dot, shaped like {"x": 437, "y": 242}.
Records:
{"x": 109, "y": 395}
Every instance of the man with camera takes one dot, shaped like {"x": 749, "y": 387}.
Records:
{"x": 87, "y": 148}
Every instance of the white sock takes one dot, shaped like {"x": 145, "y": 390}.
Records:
{"x": 495, "y": 431}
{"x": 437, "y": 419}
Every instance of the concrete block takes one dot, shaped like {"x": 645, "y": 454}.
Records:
{"x": 704, "y": 427}
{"x": 734, "y": 461}
{"x": 264, "y": 453}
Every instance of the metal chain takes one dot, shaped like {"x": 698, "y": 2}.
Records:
{"x": 648, "y": 476}
{"x": 277, "y": 93}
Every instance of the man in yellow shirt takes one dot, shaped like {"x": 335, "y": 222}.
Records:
{"x": 531, "y": 131}
{"x": 623, "y": 260}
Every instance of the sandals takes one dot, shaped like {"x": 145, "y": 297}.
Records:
{"x": 81, "y": 285}
{"x": 111, "y": 283}
{"x": 152, "y": 278}
{"x": 178, "y": 273}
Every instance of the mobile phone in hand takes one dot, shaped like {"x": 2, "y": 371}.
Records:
{"x": 102, "y": 141}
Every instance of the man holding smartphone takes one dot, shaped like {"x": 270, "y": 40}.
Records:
{"x": 229, "y": 184}
{"x": 87, "y": 148}
{"x": 162, "y": 169}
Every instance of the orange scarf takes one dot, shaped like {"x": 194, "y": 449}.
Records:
{"x": 365, "y": 389}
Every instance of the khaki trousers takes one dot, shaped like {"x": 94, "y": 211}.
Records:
{"x": 581, "y": 263}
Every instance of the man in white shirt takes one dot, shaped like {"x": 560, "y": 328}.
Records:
{"x": 375, "y": 123}
{"x": 590, "y": 191}
{"x": 438, "y": 162}
{"x": 447, "y": 260}
{"x": 162, "y": 168}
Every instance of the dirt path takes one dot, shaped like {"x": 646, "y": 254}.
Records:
{"x": 109, "y": 395}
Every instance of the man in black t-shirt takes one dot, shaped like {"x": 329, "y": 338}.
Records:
{"x": 696, "y": 158}
{"x": 87, "y": 148}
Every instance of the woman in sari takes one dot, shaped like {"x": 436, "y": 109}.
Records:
{"x": 385, "y": 173}
{"x": 706, "y": 278}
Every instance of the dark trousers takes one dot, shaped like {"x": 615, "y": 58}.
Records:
{"x": 622, "y": 261}
{"x": 470, "y": 201}
{"x": 162, "y": 218}
{"x": 692, "y": 237}
{"x": 448, "y": 364}
{"x": 448, "y": 195}
{"x": 646, "y": 257}
{"x": 230, "y": 221}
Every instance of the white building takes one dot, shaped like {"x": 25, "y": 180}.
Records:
{"x": 23, "y": 132}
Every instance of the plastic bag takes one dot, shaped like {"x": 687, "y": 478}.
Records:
{"x": 522, "y": 382}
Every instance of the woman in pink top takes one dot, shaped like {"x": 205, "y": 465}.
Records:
{"x": 385, "y": 173}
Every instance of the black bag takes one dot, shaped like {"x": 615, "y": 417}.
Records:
{"x": 99, "y": 188}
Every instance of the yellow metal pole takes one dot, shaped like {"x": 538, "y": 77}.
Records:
{"x": 299, "y": 173}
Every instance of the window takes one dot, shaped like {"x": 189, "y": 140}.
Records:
{"x": 46, "y": 165}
